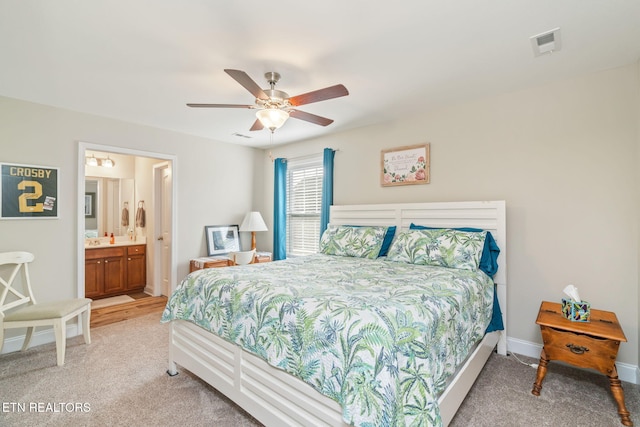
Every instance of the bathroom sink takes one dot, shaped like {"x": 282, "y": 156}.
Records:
{"x": 120, "y": 241}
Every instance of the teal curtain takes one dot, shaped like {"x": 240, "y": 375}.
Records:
{"x": 327, "y": 187}
{"x": 280, "y": 209}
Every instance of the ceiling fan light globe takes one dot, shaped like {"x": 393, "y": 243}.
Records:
{"x": 272, "y": 118}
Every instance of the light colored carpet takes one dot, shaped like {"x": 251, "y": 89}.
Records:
{"x": 570, "y": 397}
{"x": 108, "y": 302}
{"x": 120, "y": 380}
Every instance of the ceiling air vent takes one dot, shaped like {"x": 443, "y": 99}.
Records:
{"x": 546, "y": 42}
{"x": 239, "y": 135}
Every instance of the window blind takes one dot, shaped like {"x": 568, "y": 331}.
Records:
{"x": 304, "y": 199}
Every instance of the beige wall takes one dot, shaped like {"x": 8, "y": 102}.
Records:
{"x": 40, "y": 135}
{"x": 564, "y": 156}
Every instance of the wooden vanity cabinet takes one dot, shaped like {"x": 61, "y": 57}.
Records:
{"x": 114, "y": 270}
{"x": 104, "y": 271}
{"x": 136, "y": 267}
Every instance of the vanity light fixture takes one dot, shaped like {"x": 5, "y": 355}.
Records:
{"x": 97, "y": 161}
{"x": 91, "y": 161}
{"x": 108, "y": 163}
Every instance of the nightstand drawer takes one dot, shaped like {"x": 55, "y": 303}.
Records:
{"x": 263, "y": 258}
{"x": 200, "y": 263}
{"x": 580, "y": 350}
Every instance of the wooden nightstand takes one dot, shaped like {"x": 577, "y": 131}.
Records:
{"x": 222, "y": 261}
{"x": 263, "y": 257}
{"x": 591, "y": 344}
{"x": 211, "y": 262}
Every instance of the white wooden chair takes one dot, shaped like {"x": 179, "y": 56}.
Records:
{"x": 23, "y": 311}
{"x": 243, "y": 257}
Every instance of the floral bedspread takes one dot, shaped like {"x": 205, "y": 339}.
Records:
{"x": 379, "y": 337}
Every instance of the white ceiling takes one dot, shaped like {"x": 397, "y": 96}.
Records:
{"x": 143, "y": 60}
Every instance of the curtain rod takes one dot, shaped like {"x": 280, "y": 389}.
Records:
{"x": 299, "y": 157}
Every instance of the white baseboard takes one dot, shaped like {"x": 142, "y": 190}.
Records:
{"x": 626, "y": 372}
{"x": 39, "y": 337}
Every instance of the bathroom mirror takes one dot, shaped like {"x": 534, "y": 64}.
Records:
{"x": 109, "y": 206}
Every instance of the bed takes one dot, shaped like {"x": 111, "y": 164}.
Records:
{"x": 374, "y": 382}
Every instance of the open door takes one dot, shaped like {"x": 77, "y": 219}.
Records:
{"x": 163, "y": 235}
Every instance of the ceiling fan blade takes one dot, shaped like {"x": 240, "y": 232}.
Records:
{"x": 248, "y": 83}
{"x": 220, "y": 106}
{"x": 319, "y": 95}
{"x": 257, "y": 125}
{"x": 301, "y": 115}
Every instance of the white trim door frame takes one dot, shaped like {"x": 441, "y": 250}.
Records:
{"x": 173, "y": 164}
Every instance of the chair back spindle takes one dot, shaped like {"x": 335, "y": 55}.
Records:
{"x": 19, "y": 261}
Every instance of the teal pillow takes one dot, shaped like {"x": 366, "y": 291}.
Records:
{"x": 388, "y": 238}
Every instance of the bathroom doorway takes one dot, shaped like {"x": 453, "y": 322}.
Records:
{"x": 161, "y": 270}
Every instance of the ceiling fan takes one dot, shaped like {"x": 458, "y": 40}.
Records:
{"x": 275, "y": 106}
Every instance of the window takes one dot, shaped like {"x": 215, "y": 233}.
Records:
{"x": 304, "y": 199}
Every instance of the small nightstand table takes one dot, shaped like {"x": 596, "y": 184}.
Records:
{"x": 591, "y": 345}
{"x": 223, "y": 261}
{"x": 208, "y": 262}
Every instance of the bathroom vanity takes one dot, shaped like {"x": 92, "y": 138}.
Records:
{"x": 114, "y": 269}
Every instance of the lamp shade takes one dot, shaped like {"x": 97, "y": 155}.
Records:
{"x": 253, "y": 222}
{"x": 272, "y": 118}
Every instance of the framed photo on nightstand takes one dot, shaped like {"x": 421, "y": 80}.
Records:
{"x": 222, "y": 239}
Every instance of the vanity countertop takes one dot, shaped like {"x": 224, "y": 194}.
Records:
{"x": 104, "y": 242}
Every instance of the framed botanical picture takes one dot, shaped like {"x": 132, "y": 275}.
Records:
{"x": 405, "y": 165}
{"x": 28, "y": 191}
{"x": 222, "y": 239}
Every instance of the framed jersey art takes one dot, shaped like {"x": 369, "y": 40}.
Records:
{"x": 28, "y": 191}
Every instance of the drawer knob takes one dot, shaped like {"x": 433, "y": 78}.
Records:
{"x": 577, "y": 349}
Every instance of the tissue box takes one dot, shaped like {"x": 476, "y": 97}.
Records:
{"x": 576, "y": 311}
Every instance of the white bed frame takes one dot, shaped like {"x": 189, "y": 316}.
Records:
{"x": 276, "y": 398}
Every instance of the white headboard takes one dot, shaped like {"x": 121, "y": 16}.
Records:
{"x": 489, "y": 215}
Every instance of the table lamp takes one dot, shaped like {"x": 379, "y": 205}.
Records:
{"x": 253, "y": 222}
